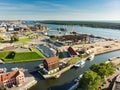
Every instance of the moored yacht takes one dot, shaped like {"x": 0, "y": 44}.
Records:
{"x": 91, "y": 57}
{"x": 79, "y": 64}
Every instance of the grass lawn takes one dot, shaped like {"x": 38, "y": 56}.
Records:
{"x": 74, "y": 60}
{"x": 19, "y": 57}
{"x": 54, "y": 73}
{"x": 37, "y": 51}
{"x": 77, "y": 59}
{"x": 24, "y": 40}
{"x": 4, "y": 54}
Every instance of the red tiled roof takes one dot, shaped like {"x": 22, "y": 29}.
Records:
{"x": 51, "y": 59}
{"x": 71, "y": 51}
{"x": 9, "y": 75}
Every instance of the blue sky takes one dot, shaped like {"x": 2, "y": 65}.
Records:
{"x": 59, "y": 9}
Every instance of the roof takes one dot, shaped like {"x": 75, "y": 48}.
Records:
{"x": 9, "y": 75}
{"x": 71, "y": 51}
{"x": 51, "y": 59}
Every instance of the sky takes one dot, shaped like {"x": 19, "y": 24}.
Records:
{"x": 59, "y": 9}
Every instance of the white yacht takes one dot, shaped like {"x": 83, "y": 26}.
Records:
{"x": 79, "y": 64}
{"x": 91, "y": 57}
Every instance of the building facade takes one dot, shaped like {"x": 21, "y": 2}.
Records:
{"x": 51, "y": 64}
{"x": 12, "y": 78}
{"x": 72, "y": 52}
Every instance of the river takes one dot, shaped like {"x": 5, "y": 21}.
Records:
{"x": 65, "y": 81}
{"x": 109, "y": 33}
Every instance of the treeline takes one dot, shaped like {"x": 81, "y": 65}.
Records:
{"x": 85, "y": 23}
{"x": 93, "y": 78}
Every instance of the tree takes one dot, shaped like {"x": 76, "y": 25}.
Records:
{"x": 90, "y": 81}
{"x": 103, "y": 69}
{"x": 14, "y": 38}
{"x": 1, "y": 39}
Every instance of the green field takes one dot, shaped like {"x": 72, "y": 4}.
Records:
{"x": 37, "y": 51}
{"x": 24, "y": 40}
{"x": 10, "y": 56}
{"x": 74, "y": 60}
{"x": 77, "y": 59}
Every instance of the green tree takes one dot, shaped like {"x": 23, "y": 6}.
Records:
{"x": 103, "y": 69}
{"x": 1, "y": 39}
{"x": 14, "y": 38}
{"x": 90, "y": 81}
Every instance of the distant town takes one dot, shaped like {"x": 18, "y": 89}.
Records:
{"x": 22, "y": 42}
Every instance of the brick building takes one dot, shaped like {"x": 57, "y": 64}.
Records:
{"x": 15, "y": 77}
{"x": 51, "y": 64}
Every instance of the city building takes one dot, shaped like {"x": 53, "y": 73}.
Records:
{"x": 72, "y": 52}
{"x": 12, "y": 78}
{"x": 51, "y": 64}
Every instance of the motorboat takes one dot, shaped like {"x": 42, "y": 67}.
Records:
{"x": 91, "y": 57}
{"x": 79, "y": 64}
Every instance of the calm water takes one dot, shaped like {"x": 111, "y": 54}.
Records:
{"x": 110, "y": 33}
{"x": 65, "y": 81}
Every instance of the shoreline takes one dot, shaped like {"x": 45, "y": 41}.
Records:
{"x": 107, "y": 52}
{"x": 59, "y": 73}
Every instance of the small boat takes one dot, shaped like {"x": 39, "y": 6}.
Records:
{"x": 91, "y": 57}
{"x": 79, "y": 64}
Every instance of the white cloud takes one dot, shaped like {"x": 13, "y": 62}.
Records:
{"x": 48, "y": 10}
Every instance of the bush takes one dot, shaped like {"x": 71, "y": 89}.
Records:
{"x": 14, "y": 38}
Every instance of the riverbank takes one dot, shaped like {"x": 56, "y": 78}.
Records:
{"x": 63, "y": 70}
{"x": 57, "y": 74}
{"x": 93, "y": 24}
{"x": 97, "y": 47}
{"x": 114, "y": 60}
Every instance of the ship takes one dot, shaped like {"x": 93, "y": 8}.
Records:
{"x": 79, "y": 64}
{"x": 91, "y": 57}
